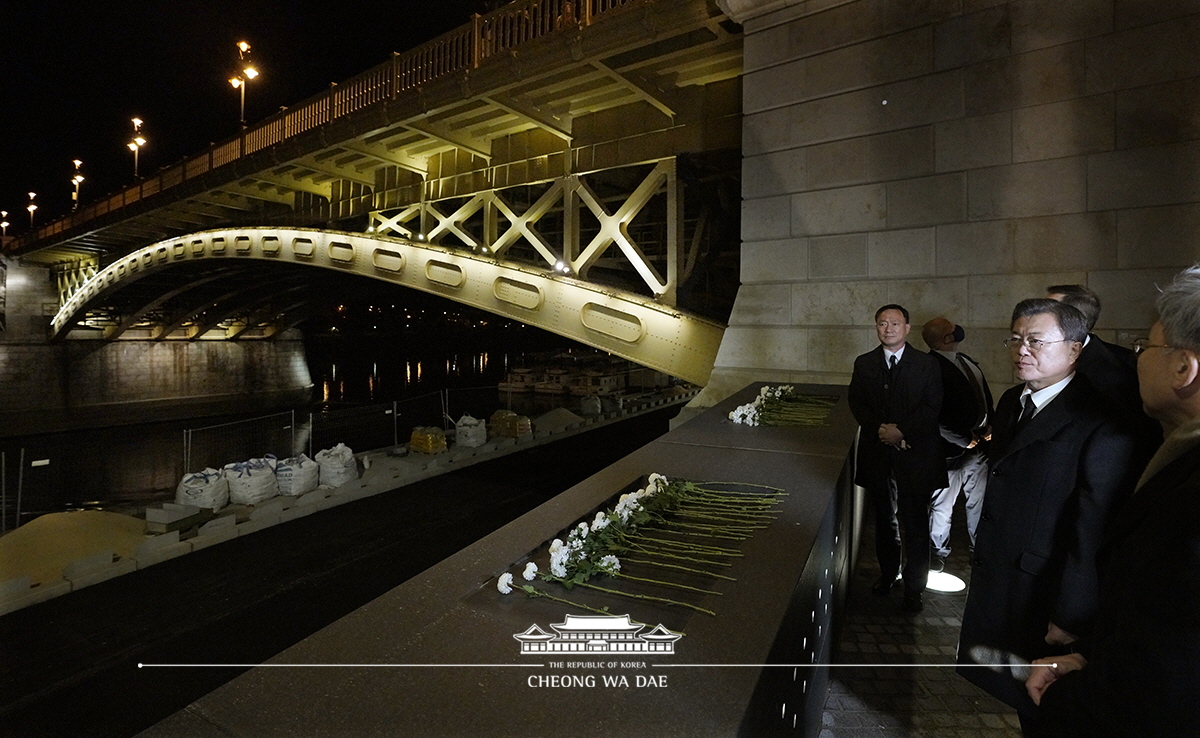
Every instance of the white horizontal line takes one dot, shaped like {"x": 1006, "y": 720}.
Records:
{"x": 338, "y": 666}
{"x": 844, "y": 666}
{"x": 529, "y": 666}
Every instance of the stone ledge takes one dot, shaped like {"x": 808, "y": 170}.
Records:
{"x": 96, "y": 575}
{"x": 15, "y": 599}
{"x": 159, "y": 554}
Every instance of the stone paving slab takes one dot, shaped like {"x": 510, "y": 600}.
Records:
{"x": 907, "y": 700}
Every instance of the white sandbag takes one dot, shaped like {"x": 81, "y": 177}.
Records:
{"x": 208, "y": 489}
{"x": 253, "y": 481}
{"x": 590, "y": 405}
{"x": 297, "y": 475}
{"x": 337, "y": 466}
{"x": 470, "y": 432}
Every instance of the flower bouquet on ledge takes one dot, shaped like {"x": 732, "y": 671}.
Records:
{"x": 678, "y": 536}
{"x": 782, "y": 405}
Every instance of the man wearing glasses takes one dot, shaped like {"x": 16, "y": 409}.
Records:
{"x": 1058, "y": 462}
{"x": 1139, "y": 674}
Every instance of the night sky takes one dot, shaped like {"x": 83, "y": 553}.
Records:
{"x": 74, "y": 72}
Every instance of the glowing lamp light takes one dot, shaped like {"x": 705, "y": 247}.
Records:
{"x": 940, "y": 581}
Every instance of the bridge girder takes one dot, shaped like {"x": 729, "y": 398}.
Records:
{"x": 626, "y": 324}
{"x": 624, "y": 90}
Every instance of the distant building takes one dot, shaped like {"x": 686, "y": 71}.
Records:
{"x": 598, "y": 633}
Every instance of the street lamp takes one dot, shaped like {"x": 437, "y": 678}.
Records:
{"x": 31, "y": 207}
{"x": 137, "y": 143}
{"x": 246, "y": 72}
{"x": 75, "y": 181}
{"x": 3, "y": 224}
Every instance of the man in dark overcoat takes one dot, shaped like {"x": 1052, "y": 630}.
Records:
{"x": 1058, "y": 461}
{"x": 1139, "y": 673}
{"x": 895, "y": 395}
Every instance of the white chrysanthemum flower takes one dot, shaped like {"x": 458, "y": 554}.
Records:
{"x": 601, "y": 522}
{"x": 582, "y": 530}
{"x": 504, "y": 583}
{"x": 610, "y": 564}
{"x": 530, "y": 571}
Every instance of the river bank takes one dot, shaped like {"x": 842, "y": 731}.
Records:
{"x": 108, "y": 547}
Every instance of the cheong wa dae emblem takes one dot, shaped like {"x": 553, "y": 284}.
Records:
{"x": 597, "y": 634}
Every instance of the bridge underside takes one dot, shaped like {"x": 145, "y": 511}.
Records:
{"x": 240, "y": 284}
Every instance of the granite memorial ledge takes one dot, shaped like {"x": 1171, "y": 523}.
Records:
{"x": 439, "y": 655}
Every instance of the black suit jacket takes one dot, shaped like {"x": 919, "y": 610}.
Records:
{"x": 1050, "y": 489}
{"x": 960, "y": 407}
{"x": 912, "y": 401}
{"x": 1143, "y": 671}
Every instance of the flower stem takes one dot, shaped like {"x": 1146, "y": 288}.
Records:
{"x": 646, "y": 597}
{"x": 664, "y": 584}
{"x": 533, "y": 591}
{"x": 681, "y": 568}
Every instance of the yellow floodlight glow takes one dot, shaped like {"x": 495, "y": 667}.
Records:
{"x": 250, "y": 72}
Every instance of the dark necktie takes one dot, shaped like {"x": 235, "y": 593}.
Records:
{"x": 889, "y": 371}
{"x": 1027, "y": 411}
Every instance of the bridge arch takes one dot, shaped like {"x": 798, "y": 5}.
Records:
{"x": 623, "y": 323}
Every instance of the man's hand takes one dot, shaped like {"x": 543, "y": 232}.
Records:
{"x": 891, "y": 435}
{"x": 1044, "y": 672}
{"x": 1056, "y": 636}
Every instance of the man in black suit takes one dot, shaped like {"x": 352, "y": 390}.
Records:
{"x": 963, "y": 423}
{"x": 1111, "y": 369}
{"x": 1140, "y": 672}
{"x": 896, "y": 395}
{"x": 1058, "y": 461}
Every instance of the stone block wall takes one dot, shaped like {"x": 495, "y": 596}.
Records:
{"x": 46, "y": 386}
{"x": 956, "y": 156}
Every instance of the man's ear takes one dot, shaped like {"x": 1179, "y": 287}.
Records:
{"x": 1185, "y": 371}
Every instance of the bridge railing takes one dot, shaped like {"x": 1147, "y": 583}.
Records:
{"x": 466, "y": 47}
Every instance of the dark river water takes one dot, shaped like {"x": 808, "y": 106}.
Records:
{"x": 356, "y": 385}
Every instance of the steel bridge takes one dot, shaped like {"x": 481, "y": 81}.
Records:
{"x": 572, "y": 165}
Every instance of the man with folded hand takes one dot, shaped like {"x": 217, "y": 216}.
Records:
{"x": 895, "y": 395}
{"x": 1139, "y": 673}
{"x": 1058, "y": 462}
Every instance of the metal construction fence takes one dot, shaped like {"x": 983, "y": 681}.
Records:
{"x": 362, "y": 428}
{"x": 58, "y": 472}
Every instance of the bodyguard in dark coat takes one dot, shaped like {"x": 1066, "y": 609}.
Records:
{"x": 1110, "y": 368}
{"x": 900, "y": 461}
{"x": 1056, "y": 470}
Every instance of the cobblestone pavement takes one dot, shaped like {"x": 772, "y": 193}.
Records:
{"x": 925, "y": 701}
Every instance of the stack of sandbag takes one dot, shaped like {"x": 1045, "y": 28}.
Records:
{"x": 207, "y": 489}
{"x": 337, "y": 466}
{"x": 253, "y": 481}
{"x": 428, "y": 440}
{"x": 470, "y": 432}
{"x": 297, "y": 475}
{"x": 507, "y": 424}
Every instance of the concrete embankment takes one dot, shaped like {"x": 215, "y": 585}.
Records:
{"x": 63, "y": 552}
